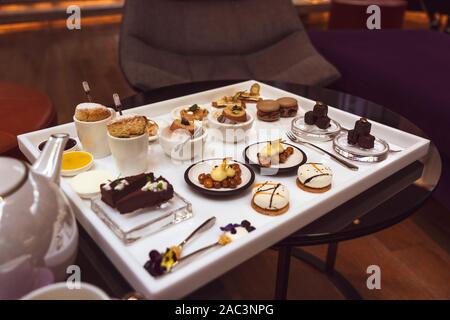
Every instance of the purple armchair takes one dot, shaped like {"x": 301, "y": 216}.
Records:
{"x": 405, "y": 70}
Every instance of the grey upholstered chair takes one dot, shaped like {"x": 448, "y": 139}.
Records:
{"x": 166, "y": 42}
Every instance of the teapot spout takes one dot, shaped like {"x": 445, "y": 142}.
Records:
{"x": 49, "y": 162}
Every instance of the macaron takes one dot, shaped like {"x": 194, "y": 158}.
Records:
{"x": 268, "y": 110}
{"x": 288, "y": 107}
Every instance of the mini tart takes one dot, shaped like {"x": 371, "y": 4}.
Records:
{"x": 314, "y": 177}
{"x": 235, "y": 113}
{"x": 183, "y": 124}
{"x": 194, "y": 112}
{"x": 270, "y": 198}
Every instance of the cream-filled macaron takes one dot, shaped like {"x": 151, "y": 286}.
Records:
{"x": 270, "y": 198}
{"x": 314, "y": 177}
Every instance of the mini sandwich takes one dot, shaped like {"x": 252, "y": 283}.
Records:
{"x": 288, "y": 107}
{"x": 128, "y": 126}
{"x": 234, "y": 114}
{"x": 183, "y": 124}
{"x": 270, "y": 198}
{"x": 314, "y": 177}
{"x": 268, "y": 110}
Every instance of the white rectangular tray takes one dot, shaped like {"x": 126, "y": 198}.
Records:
{"x": 304, "y": 207}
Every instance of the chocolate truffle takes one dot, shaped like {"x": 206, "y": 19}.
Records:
{"x": 362, "y": 127}
{"x": 310, "y": 118}
{"x": 352, "y": 137}
{"x": 367, "y": 141}
{"x": 320, "y": 109}
{"x": 323, "y": 122}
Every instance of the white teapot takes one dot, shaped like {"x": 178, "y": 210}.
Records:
{"x": 38, "y": 230}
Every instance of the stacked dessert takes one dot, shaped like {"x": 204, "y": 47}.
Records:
{"x": 360, "y": 135}
{"x": 319, "y": 116}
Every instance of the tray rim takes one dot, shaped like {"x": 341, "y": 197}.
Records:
{"x": 218, "y": 263}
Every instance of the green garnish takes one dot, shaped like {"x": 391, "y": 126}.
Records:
{"x": 160, "y": 186}
{"x": 238, "y": 94}
{"x": 194, "y": 107}
{"x": 236, "y": 109}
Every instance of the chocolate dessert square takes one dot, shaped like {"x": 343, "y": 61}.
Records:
{"x": 113, "y": 191}
{"x": 352, "y": 137}
{"x": 310, "y": 118}
{"x": 366, "y": 141}
{"x": 323, "y": 122}
{"x": 362, "y": 127}
{"x": 320, "y": 109}
{"x": 154, "y": 192}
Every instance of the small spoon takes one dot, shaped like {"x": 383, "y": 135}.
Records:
{"x": 117, "y": 103}
{"x": 192, "y": 254}
{"x": 87, "y": 90}
{"x": 200, "y": 229}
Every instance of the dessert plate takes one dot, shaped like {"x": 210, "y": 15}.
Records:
{"x": 378, "y": 153}
{"x": 205, "y": 166}
{"x": 292, "y": 163}
{"x": 313, "y": 132}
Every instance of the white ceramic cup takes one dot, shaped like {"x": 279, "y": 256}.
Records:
{"x": 93, "y": 135}
{"x": 130, "y": 154}
{"x": 61, "y": 291}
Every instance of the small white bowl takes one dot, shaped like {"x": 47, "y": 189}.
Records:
{"x": 230, "y": 132}
{"x": 73, "y": 172}
{"x": 190, "y": 150}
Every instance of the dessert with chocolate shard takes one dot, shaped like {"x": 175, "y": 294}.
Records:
{"x": 360, "y": 135}
{"x": 318, "y": 116}
{"x": 136, "y": 192}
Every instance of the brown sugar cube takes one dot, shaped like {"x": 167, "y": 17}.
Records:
{"x": 367, "y": 141}
{"x": 310, "y": 118}
{"x": 362, "y": 127}
{"x": 323, "y": 122}
{"x": 352, "y": 137}
{"x": 320, "y": 109}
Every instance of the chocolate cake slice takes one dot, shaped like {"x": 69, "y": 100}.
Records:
{"x": 153, "y": 192}
{"x": 115, "y": 190}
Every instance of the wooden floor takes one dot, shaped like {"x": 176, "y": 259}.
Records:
{"x": 414, "y": 255}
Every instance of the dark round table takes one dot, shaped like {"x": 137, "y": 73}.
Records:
{"x": 383, "y": 205}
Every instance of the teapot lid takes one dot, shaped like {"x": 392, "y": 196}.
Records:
{"x": 15, "y": 172}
